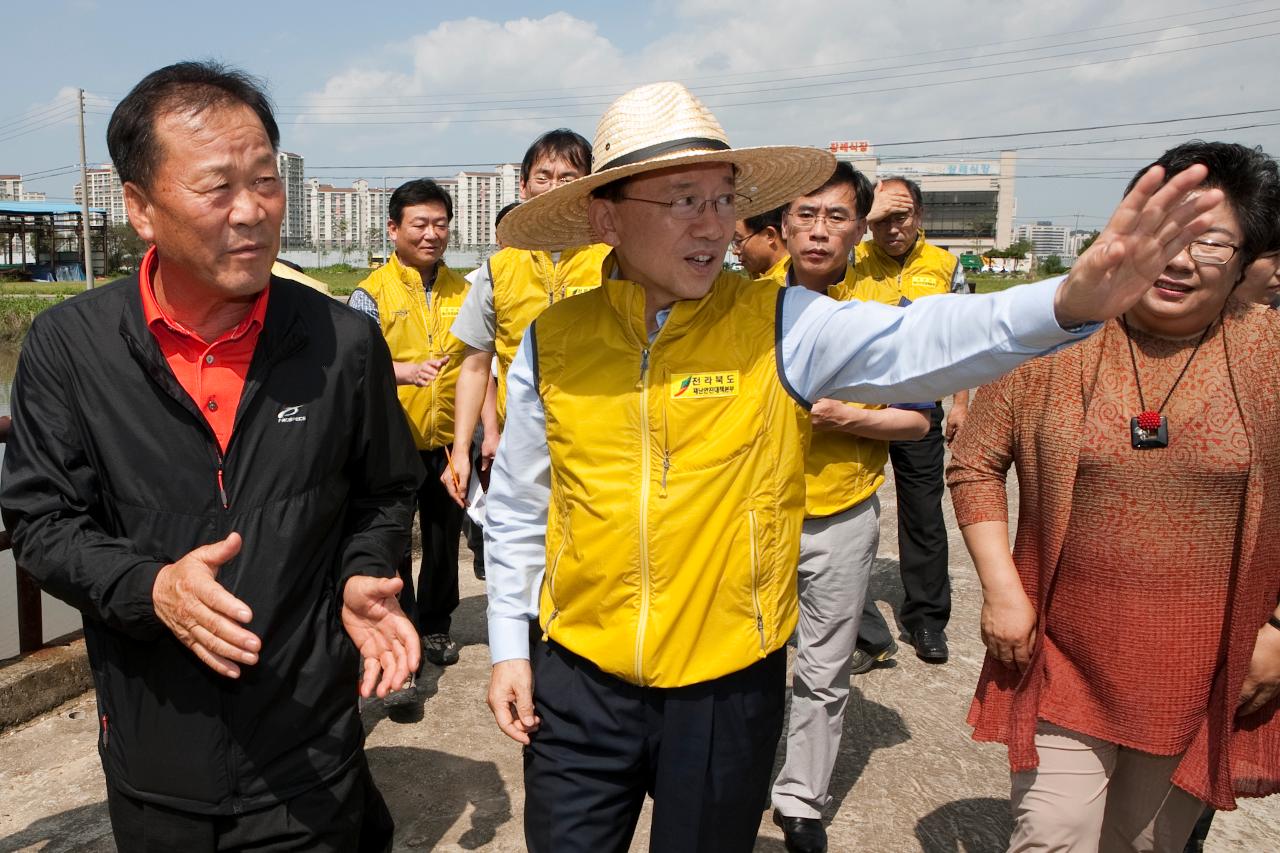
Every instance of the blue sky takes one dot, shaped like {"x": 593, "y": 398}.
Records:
{"x": 437, "y": 84}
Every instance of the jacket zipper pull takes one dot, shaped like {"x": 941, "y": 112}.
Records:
{"x": 222, "y": 489}
{"x": 644, "y": 362}
{"x": 105, "y": 732}
{"x": 666, "y": 466}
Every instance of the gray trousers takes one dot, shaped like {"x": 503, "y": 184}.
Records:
{"x": 836, "y": 556}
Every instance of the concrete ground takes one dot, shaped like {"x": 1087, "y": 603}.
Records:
{"x": 908, "y": 777}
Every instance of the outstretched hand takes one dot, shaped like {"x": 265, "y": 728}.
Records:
{"x": 201, "y": 613}
{"x": 388, "y": 642}
{"x": 1148, "y": 230}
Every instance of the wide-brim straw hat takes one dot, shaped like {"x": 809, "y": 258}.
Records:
{"x": 657, "y": 127}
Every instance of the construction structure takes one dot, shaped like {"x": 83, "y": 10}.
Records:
{"x": 45, "y": 240}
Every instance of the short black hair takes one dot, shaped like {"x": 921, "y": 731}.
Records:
{"x": 561, "y": 143}
{"x": 184, "y": 87}
{"x": 847, "y": 176}
{"x": 1247, "y": 177}
{"x": 418, "y": 191}
{"x": 497, "y": 220}
{"x": 917, "y": 197}
{"x": 768, "y": 219}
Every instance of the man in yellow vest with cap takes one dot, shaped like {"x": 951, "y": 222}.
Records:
{"x": 415, "y": 297}
{"x": 648, "y": 494}
{"x": 898, "y": 256}
{"x": 843, "y": 471}
{"x": 757, "y": 242}
{"x": 512, "y": 288}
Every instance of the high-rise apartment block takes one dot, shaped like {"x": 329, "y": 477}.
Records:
{"x": 106, "y": 192}
{"x": 295, "y": 227}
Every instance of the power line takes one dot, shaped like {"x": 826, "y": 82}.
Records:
{"x": 404, "y": 107}
{"x": 827, "y": 96}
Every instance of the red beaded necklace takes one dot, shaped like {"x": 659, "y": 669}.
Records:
{"x": 1150, "y": 429}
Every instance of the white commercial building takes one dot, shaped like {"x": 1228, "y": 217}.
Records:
{"x": 969, "y": 204}
{"x": 105, "y": 191}
{"x": 1046, "y": 239}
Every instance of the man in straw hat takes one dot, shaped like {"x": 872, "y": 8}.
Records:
{"x": 649, "y": 490}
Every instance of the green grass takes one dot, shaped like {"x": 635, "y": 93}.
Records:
{"x": 991, "y": 283}
{"x": 343, "y": 278}
{"x": 17, "y": 312}
{"x": 42, "y": 288}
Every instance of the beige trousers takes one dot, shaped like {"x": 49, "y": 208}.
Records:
{"x": 1092, "y": 796}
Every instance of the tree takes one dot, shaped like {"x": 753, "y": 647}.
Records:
{"x": 1052, "y": 265}
{"x": 340, "y": 227}
{"x": 124, "y": 248}
{"x": 1089, "y": 241}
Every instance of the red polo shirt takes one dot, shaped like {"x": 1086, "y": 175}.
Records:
{"x": 212, "y": 373}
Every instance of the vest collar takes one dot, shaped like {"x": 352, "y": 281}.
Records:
{"x": 407, "y": 275}
{"x": 627, "y": 300}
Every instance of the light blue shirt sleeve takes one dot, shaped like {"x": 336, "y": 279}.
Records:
{"x": 515, "y": 528}
{"x": 862, "y": 351}
{"x": 873, "y": 353}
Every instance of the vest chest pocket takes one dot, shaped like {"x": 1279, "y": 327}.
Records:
{"x": 706, "y": 419}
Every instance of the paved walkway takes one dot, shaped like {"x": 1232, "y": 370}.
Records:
{"x": 908, "y": 777}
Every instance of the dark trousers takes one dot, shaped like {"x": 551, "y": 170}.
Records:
{"x": 346, "y": 815}
{"x": 440, "y": 520}
{"x": 922, "y": 539}
{"x": 703, "y": 752}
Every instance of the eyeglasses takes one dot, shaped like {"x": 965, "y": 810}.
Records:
{"x": 1211, "y": 252}
{"x": 738, "y": 242}
{"x": 804, "y": 220}
{"x": 547, "y": 180}
{"x": 688, "y": 207}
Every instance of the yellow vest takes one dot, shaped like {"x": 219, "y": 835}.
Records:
{"x": 677, "y": 482}
{"x": 524, "y": 284}
{"x": 842, "y": 470}
{"x": 926, "y": 271}
{"x": 417, "y": 329}
{"x": 778, "y": 272}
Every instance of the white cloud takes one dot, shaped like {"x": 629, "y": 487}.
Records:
{"x": 807, "y": 72}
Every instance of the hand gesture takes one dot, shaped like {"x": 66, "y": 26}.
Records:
{"x": 426, "y": 372}
{"x": 1263, "y": 681}
{"x": 955, "y": 419}
{"x": 830, "y": 415}
{"x": 388, "y": 642}
{"x": 201, "y": 613}
{"x": 456, "y": 477}
{"x": 511, "y": 699}
{"x": 1148, "y": 230}
{"x": 1009, "y": 628}
{"x": 897, "y": 199}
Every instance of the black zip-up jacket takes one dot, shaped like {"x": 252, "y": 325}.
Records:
{"x": 111, "y": 472}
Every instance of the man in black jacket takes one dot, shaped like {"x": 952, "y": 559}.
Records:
{"x": 211, "y": 464}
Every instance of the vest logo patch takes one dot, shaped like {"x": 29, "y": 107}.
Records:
{"x": 575, "y": 289}
{"x": 690, "y": 386}
{"x": 449, "y": 310}
{"x": 925, "y": 280}
{"x": 402, "y": 312}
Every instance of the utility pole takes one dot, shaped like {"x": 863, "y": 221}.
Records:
{"x": 84, "y": 203}
{"x": 386, "y": 215}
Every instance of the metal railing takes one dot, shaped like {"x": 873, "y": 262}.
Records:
{"x": 30, "y": 612}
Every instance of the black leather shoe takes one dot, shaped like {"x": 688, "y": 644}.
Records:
{"x": 931, "y": 644}
{"x": 802, "y": 834}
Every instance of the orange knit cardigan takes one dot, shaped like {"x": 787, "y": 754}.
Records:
{"x": 1033, "y": 417}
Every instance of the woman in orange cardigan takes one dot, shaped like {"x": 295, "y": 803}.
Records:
{"x": 1133, "y": 639}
